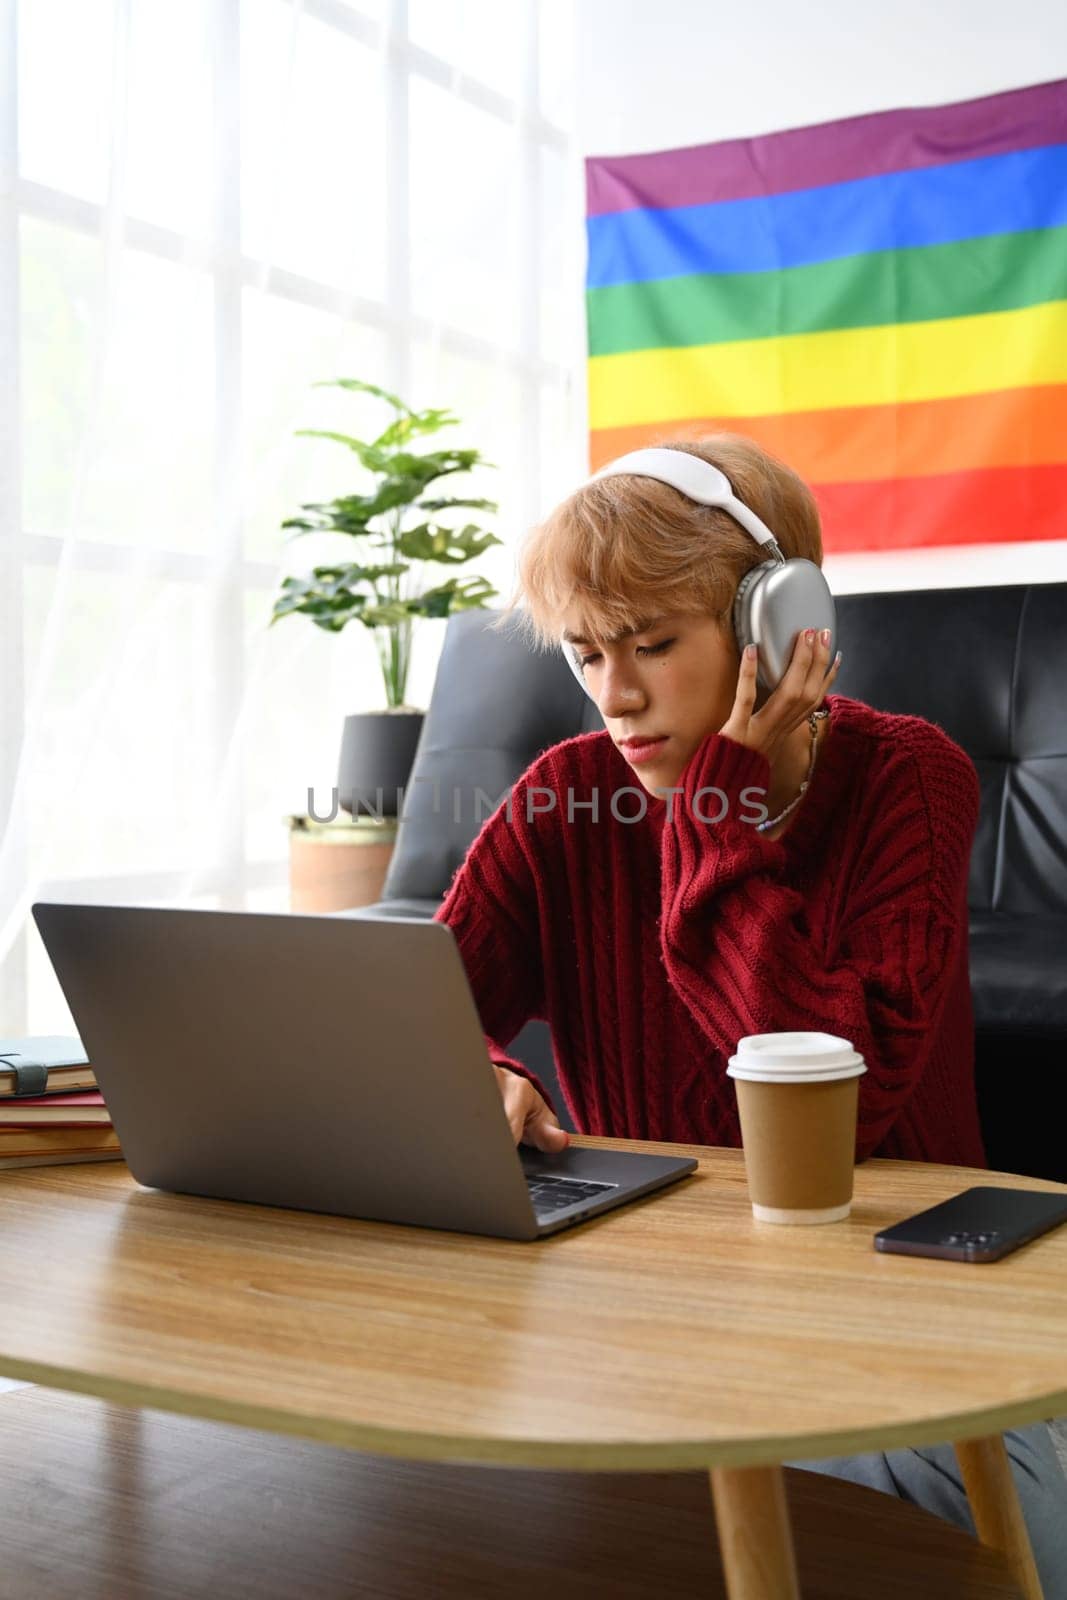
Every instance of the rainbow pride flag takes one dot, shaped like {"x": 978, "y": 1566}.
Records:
{"x": 881, "y": 301}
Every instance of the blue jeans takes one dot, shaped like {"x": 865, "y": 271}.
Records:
{"x": 930, "y": 1478}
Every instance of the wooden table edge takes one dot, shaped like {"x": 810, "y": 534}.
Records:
{"x": 608, "y": 1455}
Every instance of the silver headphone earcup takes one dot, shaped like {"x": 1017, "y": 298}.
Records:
{"x": 774, "y": 603}
{"x": 742, "y": 608}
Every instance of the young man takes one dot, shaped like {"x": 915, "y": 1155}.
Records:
{"x": 610, "y": 897}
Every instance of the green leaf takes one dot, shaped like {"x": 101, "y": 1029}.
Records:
{"x": 387, "y": 614}
{"x": 408, "y": 477}
{"x": 415, "y": 422}
{"x": 458, "y": 594}
{"x": 355, "y": 511}
{"x": 436, "y": 602}
{"x": 474, "y": 592}
{"x": 372, "y": 458}
{"x": 352, "y": 574}
{"x": 416, "y": 543}
{"x": 457, "y": 460}
{"x": 325, "y": 433}
{"x": 447, "y": 505}
{"x": 428, "y": 542}
{"x": 356, "y": 385}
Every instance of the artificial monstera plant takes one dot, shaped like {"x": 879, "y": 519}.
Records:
{"x": 397, "y": 521}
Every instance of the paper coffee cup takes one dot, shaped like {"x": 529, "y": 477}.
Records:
{"x": 797, "y": 1096}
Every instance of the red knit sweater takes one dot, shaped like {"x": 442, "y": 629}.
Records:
{"x": 651, "y": 947}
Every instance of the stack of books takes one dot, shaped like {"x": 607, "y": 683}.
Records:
{"x": 50, "y": 1109}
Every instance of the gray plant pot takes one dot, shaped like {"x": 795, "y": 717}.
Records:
{"x": 377, "y": 750}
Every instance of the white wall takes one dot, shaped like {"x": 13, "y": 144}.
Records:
{"x": 658, "y": 74}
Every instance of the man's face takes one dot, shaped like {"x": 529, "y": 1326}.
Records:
{"x": 675, "y": 680}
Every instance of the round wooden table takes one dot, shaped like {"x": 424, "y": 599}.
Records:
{"x": 671, "y": 1335}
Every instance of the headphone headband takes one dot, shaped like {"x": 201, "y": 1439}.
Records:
{"x": 698, "y": 480}
{"x": 774, "y": 600}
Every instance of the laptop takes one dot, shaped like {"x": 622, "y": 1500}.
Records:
{"x": 318, "y": 1063}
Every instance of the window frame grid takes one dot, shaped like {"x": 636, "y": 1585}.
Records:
{"x": 227, "y": 574}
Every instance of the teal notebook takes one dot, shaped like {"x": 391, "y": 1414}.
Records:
{"x": 45, "y": 1064}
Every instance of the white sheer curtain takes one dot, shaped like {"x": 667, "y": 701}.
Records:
{"x": 205, "y": 206}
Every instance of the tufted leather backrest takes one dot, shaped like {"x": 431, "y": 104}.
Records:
{"x": 988, "y": 665}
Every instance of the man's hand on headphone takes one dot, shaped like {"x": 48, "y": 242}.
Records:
{"x": 802, "y": 691}
{"x": 532, "y": 1121}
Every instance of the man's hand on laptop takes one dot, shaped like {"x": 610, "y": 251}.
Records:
{"x": 532, "y": 1121}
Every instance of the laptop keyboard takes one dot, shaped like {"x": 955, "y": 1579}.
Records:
{"x": 550, "y": 1194}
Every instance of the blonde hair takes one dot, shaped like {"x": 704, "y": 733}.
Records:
{"x": 625, "y": 549}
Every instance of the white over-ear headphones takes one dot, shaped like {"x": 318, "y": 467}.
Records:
{"x": 775, "y": 600}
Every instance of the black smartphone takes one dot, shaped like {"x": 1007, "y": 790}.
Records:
{"x": 980, "y": 1224}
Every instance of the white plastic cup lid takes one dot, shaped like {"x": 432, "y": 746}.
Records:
{"x": 794, "y": 1058}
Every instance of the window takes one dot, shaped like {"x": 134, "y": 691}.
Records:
{"x": 215, "y": 204}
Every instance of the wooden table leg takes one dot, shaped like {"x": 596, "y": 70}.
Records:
{"x": 995, "y": 1507}
{"x": 755, "y": 1536}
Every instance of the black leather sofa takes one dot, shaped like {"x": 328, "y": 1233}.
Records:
{"x": 989, "y": 665}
